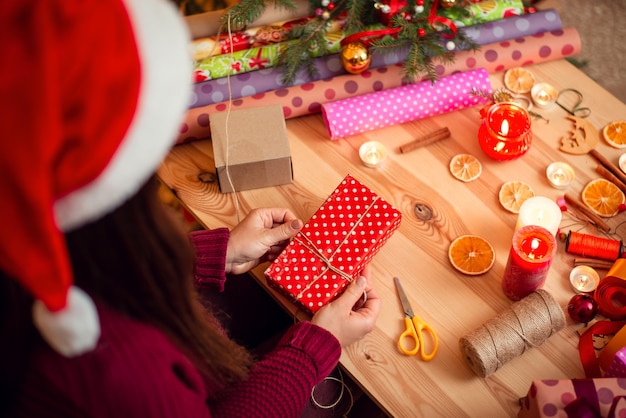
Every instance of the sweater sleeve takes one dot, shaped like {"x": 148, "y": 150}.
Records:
{"x": 281, "y": 383}
{"x": 210, "y": 247}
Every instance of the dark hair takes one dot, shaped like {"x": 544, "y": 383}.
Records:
{"x": 139, "y": 261}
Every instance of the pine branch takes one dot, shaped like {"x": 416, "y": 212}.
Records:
{"x": 311, "y": 41}
{"x": 245, "y": 12}
{"x": 354, "y": 12}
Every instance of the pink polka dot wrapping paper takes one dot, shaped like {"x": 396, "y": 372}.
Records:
{"x": 308, "y": 98}
{"x": 602, "y": 397}
{"x": 389, "y": 107}
{"x": 334, "y": 246}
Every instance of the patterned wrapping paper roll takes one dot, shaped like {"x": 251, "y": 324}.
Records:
{"x": 260, "y": 57}
{"x": 389, "y": 107}
{"x": 308, "y": 98}
{"x": 261, "y": 81}
{"x": 485, "y": 11}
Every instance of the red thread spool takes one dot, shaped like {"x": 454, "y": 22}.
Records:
{"x": 592, "y": 246}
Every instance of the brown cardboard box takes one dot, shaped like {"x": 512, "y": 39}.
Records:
{"x": 258, "y": 148}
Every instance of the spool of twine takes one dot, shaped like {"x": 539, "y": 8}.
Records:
{"x": 527, "y": 323}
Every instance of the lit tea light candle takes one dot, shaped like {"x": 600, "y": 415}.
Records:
{"x": 372, "y": 153}
{"x": 584, "y": 279}
{"x": 543, "y": 95}
{"x": 532, "y": 250}
{"x": 560, "y": 175}
{"x": 541, "y": 211}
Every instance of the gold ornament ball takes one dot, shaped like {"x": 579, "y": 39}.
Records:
{"x": 355, "y": 57}
{"x": 447, "y": 3}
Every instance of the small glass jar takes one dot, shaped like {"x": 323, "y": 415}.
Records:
{"x": 505, "y": 133}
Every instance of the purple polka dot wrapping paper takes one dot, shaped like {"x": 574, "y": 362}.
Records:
{"x": 389, "y": 107}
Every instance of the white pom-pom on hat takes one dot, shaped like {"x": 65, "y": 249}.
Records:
{"x": 73, "y": 330}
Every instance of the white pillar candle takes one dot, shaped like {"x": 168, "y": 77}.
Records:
{"x": 539, "y": 210}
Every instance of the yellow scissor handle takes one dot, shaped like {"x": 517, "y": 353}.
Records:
{"x": 409, "y": 334}
{"x": 415, "y": 330}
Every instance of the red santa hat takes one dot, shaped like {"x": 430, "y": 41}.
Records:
{"x": 92, "y": 94}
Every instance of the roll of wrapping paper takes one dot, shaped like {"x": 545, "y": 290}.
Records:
{"x": 610, "y": 295}
{"x": 484, "y": 11}
{"x": 258, "y": 58}
{"x": 255, "y": 82}
{"x": 308, "y": 98}
{"x": 403, "y": 104}
{"x": 527, "y": 323}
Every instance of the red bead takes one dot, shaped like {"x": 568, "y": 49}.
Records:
{"x": 582, "y": 308}
{"x": 421, "y": 31}
{"x": 420, "y": 2}
{"x": 331, "y": 7}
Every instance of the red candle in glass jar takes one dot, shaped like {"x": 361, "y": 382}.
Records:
{"x": 505, "y": 133}
{"x": 532, "y": 251}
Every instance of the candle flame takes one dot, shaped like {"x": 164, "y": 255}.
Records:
{"x": 504, "y": 128}
{"x": 534, "y": 244}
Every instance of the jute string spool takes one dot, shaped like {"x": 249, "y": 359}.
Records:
{"x": 527, "y": 323}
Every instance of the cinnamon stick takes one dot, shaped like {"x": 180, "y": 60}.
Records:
{"x": 608, "y": 165}
{"x": 593, "y": 263}
{"x": 587, "y": 212}
{"x": 604, "y": 172}
{"x": 424, "y": 140}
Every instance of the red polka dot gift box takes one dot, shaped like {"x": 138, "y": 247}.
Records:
{"x": 332, "y": 248}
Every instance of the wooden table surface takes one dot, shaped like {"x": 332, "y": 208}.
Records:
{"x": 453, "y": 303}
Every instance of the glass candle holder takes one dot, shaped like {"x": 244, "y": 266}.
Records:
{"x": 532, "y": 250}
{"x": 505, "y": 133}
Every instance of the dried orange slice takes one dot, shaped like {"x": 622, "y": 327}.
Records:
{"x": 513, "y": 193}
{"x": 465, "y": 167}
{"x": 615, "y": 134}
{"x": 471, "y": 255}
{"x": 519, "y": 80}
{"x": 603, "y": 197}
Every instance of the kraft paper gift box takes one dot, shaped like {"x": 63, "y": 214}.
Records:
{"x": 253, "y": 150}
{"x": 589, "y": 398}
{"x": 332, "y": 248}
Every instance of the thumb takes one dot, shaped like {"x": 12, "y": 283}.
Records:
{"x": 285, "y": 231}
{"x": 354, "y": 292}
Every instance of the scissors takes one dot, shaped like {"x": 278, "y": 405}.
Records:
{"x": 415, "y": 330}
{"x": 576, "y": 110}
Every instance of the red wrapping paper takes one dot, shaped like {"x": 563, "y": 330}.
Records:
{"x": 334, "y": 246}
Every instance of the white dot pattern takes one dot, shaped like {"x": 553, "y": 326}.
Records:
{"x": 389, "y": 107}
{"x": 348, "y": 229}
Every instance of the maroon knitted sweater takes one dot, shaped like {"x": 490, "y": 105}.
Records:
{"x": 136, "y": 371}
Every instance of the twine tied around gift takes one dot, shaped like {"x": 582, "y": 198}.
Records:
{"x": 309, "y": 245}
{"x": 527, "y": 323}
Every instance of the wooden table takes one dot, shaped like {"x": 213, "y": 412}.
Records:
{"x": 454, "y": 304}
